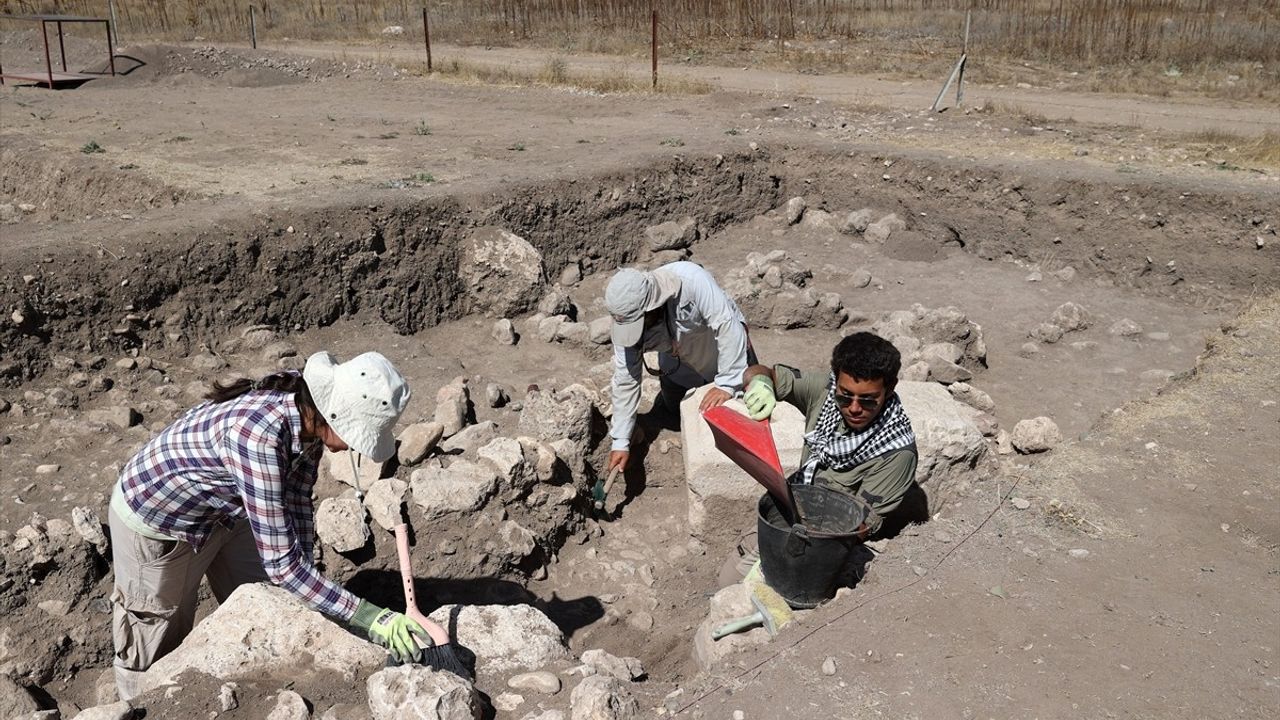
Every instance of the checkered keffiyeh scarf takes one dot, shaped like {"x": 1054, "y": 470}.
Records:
{"x": 830, "y": 448}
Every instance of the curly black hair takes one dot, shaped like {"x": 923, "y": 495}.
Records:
{"x": 867, "y": 356}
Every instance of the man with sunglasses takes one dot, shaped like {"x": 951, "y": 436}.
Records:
{"x": 858, "y": 439}
{"x": 697, "y": 330}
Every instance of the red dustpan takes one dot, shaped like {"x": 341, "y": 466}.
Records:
{"x": 749, "y": 444}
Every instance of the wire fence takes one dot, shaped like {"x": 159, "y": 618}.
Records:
{"x": 1098, "y": 31}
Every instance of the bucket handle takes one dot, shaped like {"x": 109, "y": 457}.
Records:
{"x": 798, "y": 540}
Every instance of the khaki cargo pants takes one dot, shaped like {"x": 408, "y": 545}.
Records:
{"x": 156, "y": 591}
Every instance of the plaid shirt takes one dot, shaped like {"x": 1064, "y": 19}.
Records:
{"x": 221, "y": 462}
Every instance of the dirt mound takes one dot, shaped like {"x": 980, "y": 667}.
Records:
{"x": 38, "y": 185}
{"x": 175, "y": 65}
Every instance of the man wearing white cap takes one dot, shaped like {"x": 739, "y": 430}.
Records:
{"x": 224, "y": 493}
{"x": 697, "y": 329}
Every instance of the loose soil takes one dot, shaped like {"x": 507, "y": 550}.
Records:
{"x": 306, "y": 205}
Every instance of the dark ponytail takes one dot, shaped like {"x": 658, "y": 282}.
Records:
{"x": 284, "y": 382}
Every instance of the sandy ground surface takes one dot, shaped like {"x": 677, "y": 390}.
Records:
{"x": 985, "y": 611}
{"x": 1181, "y": 115}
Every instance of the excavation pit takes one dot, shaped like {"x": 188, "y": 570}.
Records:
{"x": 102, "y": 335}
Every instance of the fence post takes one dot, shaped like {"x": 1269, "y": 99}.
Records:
{"x": 253, "y": 28}
{"x": 654, "y": 46}
{"x": 964, "y": 59}
{"x": 113, "y": 36}
{"x": 426, "y": 36}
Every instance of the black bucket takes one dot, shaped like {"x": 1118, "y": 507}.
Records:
{"x": 804, "y": 562}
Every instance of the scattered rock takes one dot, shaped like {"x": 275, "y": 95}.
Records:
{"x": 294, "y": 641}
{"x": 505, "y": 638}
{"x": 462, "y": 487}
{"x": 118, "y": 711}
{"x": 541, "y": 682}
{"x": 502, "y": 271}
{"x": 972, "y": 396}
{"x": 1047, "y": 333}
{"x": 1078, "y": 553}
{"x": 121, "y": 416}
{"x": 771, "y": 292}
{"x": 495, "y": 395}
{"x": 1158, "y": 336}
{"x": 558, "y": 302}
{"x": 857, "y": 221}
{"x": 829, "y": 666}
{"x": 289, "y": 706}
{"x": 1066, "y": 274}
{"x": 48, "y": 469}
{"x": 340, "y": 524}
{"x": 338, "y": 467}
{"x": 860, "y": 278}
{"x": 672, "y": 235}
{"x": 89, "y": 526}
{"x": 1035, "y": 435}
{"x": 419, "y": 693}
{"x": 1029, "y": 349}
{"x": 548, "y": 417}
{"x": 794, "y": 211}
{"x": 881, "y": 230}
{"x": 549, "y": 327}
{"x": 470, "y": 438}
{"x": 385, "y": 502}
{"x": 1020, "y": 503}
{"x": 598, "y": 330}
{"x": 417, "y": 441}
{"x": 504, "y": 332}
{"x": 1124, "y": 327}
{"x": 453, "y": 406}
{"x": 1004, "y": 445}
{"x": 507, "y": 702}
{"x": 227, "y": 699}
{"x": 571, "y": 274}
{"x": 1071, "y": 317}
{"x": 602, "y": 698}
{"x": 602, "y": 663}
{"x": 15, "y": 701}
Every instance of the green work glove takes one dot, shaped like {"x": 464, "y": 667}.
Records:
{"x": 759, "y": 397}
{"x": 392, "y": 630}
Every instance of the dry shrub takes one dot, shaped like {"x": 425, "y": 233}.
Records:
{"x": 555, "y": 73}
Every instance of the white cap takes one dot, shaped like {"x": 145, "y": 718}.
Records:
{"x": 361, "y": 399}
{"x": 627, "y": 298}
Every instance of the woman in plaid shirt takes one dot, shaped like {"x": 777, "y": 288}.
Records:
{"x": 224, "y": 493}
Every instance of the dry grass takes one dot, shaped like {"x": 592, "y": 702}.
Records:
{"x": 1222, "y": 48}
{"x": 1263, "y": 150}
{"x": 556, "y": 73}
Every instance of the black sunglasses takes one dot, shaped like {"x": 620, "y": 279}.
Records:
{"x": 867, "y": 402}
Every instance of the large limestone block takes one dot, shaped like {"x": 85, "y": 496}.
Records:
{"x": 506, "y": 638}
{"x": 413, "y": 692}
{"x": 264, "y": 631}
{"x": 502, "y": 271}
{"x": 338, "y": 465}
{"x": 462, "y": 487}
{"x": 948, "y": 440}
{"x": 723, "y": 496}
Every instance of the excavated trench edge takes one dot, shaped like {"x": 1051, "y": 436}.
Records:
{"x": 174, "y": 290}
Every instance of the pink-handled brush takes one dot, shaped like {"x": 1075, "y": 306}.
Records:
{"x": 441, "y": 655}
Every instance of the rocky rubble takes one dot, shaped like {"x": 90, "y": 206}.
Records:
{"x": 772, "y": 291}
{"x": 939, "y": 344}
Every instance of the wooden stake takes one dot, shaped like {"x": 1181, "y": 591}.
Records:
{"x": 113, "y": 36}
{"x": 253, "y": 27}
{"x": 426, "y": 36}
{"x": 654, "y": 47}
{"x": 947, "y": 86}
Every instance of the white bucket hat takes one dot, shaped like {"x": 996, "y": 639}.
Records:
{"x": 361, "y": 399}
